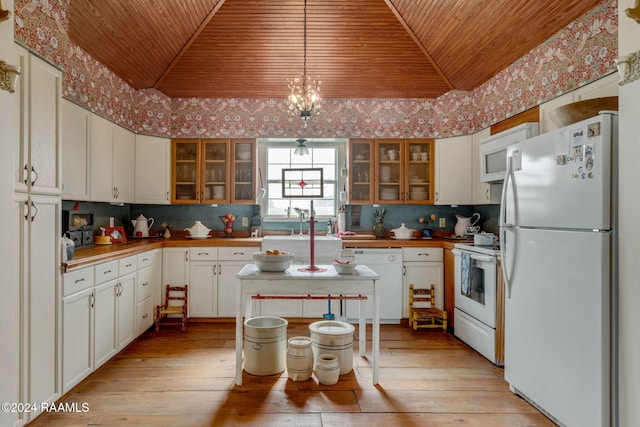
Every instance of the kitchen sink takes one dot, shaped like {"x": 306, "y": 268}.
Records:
{"x": 326, "y": 248}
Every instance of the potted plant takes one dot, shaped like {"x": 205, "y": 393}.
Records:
{"x": 378, "y": 227}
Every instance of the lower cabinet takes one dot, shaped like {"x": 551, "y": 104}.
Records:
{"x": 422, "y": 266}
{"x": 203, "y": 282}
{"x": 104, "y": 308}
{"x": 77, "y": 360}
{"x": 148, "y": 286}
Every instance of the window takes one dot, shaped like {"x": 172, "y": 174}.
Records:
{"x": 278, "y": 154}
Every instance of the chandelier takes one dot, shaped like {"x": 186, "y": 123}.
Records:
{"x": 304, "y": 99}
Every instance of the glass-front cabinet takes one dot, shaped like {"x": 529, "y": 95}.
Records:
{"x": 361, "y": 171}
{"x": 404, "y": 171}
{"x": 213, "y": 171}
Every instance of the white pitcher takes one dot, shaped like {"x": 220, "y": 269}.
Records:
{"x": 463, "y": 222}
{"x": 141, "y": 226}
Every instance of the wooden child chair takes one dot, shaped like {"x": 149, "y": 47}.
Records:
{"x": 423, "y": 312}
{"x": 175, "y": 303}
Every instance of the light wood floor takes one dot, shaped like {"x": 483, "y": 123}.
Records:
{"x": 169, "y": 378}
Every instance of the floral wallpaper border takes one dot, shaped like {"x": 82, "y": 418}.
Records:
{"x": 582, "y": 52}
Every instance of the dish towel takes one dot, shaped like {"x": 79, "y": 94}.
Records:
{"x": 465, "y": 278}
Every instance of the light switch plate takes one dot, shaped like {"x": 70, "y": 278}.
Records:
{"x": 442, "y": 223}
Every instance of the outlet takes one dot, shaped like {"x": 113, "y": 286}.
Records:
{"x": 442, "y": 223}
{"x": 245, "y": 221}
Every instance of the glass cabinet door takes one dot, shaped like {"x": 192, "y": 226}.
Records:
{"x": 244, "y": 167}
{"x": 361, "y": 171}
{"x": 185, "y": 171}
{"x": 389, "y": 154}
{"x": 215, "y": 171}
{"x": 419, "y": 171}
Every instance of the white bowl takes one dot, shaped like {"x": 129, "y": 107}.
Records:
{"x": 272, "y": 262}
{"x": 346, "y": 267}
{"x": 243, "y": 155}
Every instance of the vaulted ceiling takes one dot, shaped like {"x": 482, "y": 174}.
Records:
{"x": 358, "y": 48}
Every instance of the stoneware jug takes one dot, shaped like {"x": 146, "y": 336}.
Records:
{"x": 328, "y": 369}
{"x": 299, "y": 358}
{"x": 141, "y": 226}
{"x": 463, "y": 222}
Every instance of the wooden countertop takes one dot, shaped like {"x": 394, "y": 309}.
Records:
{"x": 100, "y": 253}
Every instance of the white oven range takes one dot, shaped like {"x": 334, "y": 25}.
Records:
{"x": 476, "y": 291}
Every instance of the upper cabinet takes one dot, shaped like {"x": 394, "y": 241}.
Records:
{"x": 213, "y": 171}
{"x": 38, "y": 161}
{"x": 453, "y": 171}
{"x": 112, "y": 162}
{"x": 361, "y": 161}
{"x": 404, "y": 171}
{"x": 152, "y": 170}
{"x": 75, "y": 152}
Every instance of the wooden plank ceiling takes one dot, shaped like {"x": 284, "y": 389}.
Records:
{"x": 358, "y": 48}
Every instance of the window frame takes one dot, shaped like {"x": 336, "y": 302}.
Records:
{"x": 340, "y": 144}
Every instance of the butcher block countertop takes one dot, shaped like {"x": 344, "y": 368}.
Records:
{"x": 100, "y": 253}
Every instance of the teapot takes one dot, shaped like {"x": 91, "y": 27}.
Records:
{"x": 463, "y": 222}
{"x": 141, "y": 226}
{"x": 403, "y": 233}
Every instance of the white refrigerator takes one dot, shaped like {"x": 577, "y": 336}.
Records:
{"x": 557, "y": 234}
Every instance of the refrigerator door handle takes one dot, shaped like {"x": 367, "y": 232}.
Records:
{"x": 504, "y": 225}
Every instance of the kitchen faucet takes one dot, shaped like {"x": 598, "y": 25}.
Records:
{"x": 301, "y": 214}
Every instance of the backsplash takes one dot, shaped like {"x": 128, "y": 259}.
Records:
{"x": 359, "y": 217}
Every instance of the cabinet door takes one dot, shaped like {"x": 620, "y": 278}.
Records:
{"x": 75, "y": 151}
{"x": 126, "y": 306}
{"x": 41, "y": 261}
{"x": 77, "y": 362}
{"x": 227, "y": 285}
{"x": 481, "y": 190}
{"x": 185, "y": 171}
{"x": 361, "y": 157}
{"x": 102, "y": 188}
{"x": 21, "y": 114}
{"x": 45, "y": 93}
{"x": 152, "y": 171}
{"x": 389, "y": 155}
{"x": 453, "y": 171}
{"x": 418, "y": 171}
{"x": 423, "y": 273}
{"x": 243, "y": 183}
{"x": 203, "y": 289}
{"x": 104, "y": 344}
{"x": 175, "y": 268}
{"x": 123, "y": 164}
{"x": 216, "y": 171}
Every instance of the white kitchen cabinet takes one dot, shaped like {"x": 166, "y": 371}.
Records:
{"x": 148, "y": 284}
{"x": 481, "y": 190}
{"x": 230, "y": 261}
{"x": 175, "y": 267}
{"x": 453, "y": 171}
{"x": 104, "y": 344}
{"x": 77, "y": 358}
{"x": 203, "y": 282}
{"x": 112, "y": 162}
{"x": 422, "y": 266}
{"x": 39, "y": 222}
{"x": 152, "y": 170}
{"x": 38, "y": 159}
{"x": 125, "y": 309}
{"x": 76, "y": 157}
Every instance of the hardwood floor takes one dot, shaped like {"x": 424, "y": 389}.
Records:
{"x": 170, "y": 378}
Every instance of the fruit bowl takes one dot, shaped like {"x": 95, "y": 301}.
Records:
{"x": 270, "y": 261}
{"x": 345, "y": 267}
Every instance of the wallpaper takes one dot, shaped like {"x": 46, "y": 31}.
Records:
{"x": 582, "y": 52}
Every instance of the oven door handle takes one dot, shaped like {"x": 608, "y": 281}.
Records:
{"x": 475, "y": 256}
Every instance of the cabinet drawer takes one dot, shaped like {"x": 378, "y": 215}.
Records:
{"x": 203, "y": 254}
{"x": 422, "y": 254}
{"x": 146, "y": 259}
{"x": 144, "y": 315}
{"x": 127, "y": 265}
{"x": 145, "y": 284}
{"x": 77, "y": 280}
{"x": 236, "y": 253}
{"x": 106, "y": 271}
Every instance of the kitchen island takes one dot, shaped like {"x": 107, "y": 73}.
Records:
{"x": 295, "y": 282}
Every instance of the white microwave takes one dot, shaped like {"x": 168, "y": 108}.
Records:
{"x": 493, "y": 150}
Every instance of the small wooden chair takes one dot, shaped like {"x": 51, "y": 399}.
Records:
{"x": 423, "y": 312}
{"x": 170, "y": 309}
